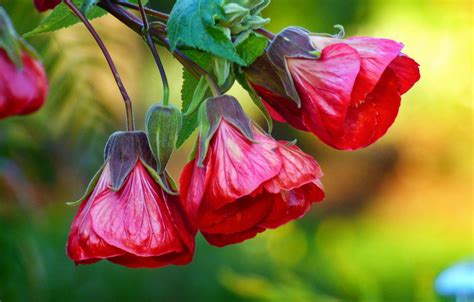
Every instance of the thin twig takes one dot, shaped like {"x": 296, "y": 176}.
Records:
{"x": 126, "y": 98}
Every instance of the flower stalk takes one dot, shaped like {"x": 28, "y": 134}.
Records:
{"x": 126, "y": 98}
{"x": 149, "y": 40}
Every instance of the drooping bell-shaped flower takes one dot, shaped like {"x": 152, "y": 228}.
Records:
{"x": 23, "y": 82}
{"x": 346, "y": 91}
{"x": 243, "y": 181}
{"x": 126, "y": 217}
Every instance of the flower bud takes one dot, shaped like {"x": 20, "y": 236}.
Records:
{"x": 163, "y": 124}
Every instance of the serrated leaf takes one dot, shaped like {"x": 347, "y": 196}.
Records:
{"x": 192, "y": 23}
{"x": 252, "y": 48}
{"x": 190, "y": 121}
{"x": 61, "y": 17}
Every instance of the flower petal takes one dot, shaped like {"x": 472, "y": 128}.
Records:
{"x": 298, "y": 169}
{"x": 84, "y": 244}
{"x": 368, "y": 121}
{"x": 376, "y": 54}
{"x": 241, "y": 215}
{"x": 407, "y": 72}
{"x": 325, "y": 87}
{"x": 133, "y": 261}
{"x": 239, "y": 166}
{"x": 136, "y": 218}
{"x": 281, "y": 109}
{"x": 220, "y": 240}
{"x": 291, "y": 205}
{"x": 193, "y": 182}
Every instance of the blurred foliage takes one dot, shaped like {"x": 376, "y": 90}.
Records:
{"x": 396, "y": 215}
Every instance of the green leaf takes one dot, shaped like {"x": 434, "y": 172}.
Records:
{"x": 252, "y": 48}
{"x": 190, "y": 83}
{"x": 192, "y": 23}
{"x": 61, "y": 17}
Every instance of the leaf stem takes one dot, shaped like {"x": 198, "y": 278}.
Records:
{"x": 156, "y": 56}
{"x": 126, "y": 98}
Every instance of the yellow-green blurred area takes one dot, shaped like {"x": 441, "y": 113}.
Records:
{"x": 396, "y": 213}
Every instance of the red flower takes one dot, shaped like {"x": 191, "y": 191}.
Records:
{"x": 44, "y": 5}
{"x": 245, "y": 187}
{"x": 22, "y": 89}
{"x": 139, "y": 225}
{"x": 350, "y": 95}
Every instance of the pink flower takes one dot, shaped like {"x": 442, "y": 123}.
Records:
{"x": 138, "y": 225}
{"x": 349, "y": 95}
{"x": 245, "y": 187}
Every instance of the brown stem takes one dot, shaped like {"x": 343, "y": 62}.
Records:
{"x": 123, "y": 91}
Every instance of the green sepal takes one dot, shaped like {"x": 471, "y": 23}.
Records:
{"x": 163, "y": 124}
{"x": 256, "y": 100}
{"x": 159, "y": 180}
{"x": 198, "y": 96}
{"x": 90, "y": 187}
{"x": 9, "y": 39}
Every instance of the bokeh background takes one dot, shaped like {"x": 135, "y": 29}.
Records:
{"x": 396, "y": 214}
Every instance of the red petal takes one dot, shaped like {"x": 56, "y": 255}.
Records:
{"x": 241, "y": 215}
{"x": 84, "y": 245}
{"x": 291, "y": 205}
{"x": 133, "y": 261}
{"x": 376, "y": 54}
{"x": 223, "y": 240}
{"x": 239, "y": 166}
{"x": 193, "y": 181}
{"x": 281, "y": 109}
{"x": 371, "y": 119}
{"x": 407, "y": 72}
{"x": 325, "y": 87}
{"x": 136, "y": 218}
{"x": 298, "y": 169}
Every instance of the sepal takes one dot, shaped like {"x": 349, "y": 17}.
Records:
{"x": 163, "y": 124}
{"x": 211, "y": 113}
{"x": 90, "y": 187}
{"x": 122, "y": 151}
{"x": 292, "y": 42}
{"x": 165, "y": 180}
{"x": 241, "y": 78}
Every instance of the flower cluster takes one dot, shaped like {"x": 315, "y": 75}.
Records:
{"x": 240, "y": 180}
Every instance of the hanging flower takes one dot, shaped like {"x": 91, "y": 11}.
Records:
{"x": 44, "y": 5}
{"x": 126, "y": 217}
{"x": 247, "y": 182}
{"x": 346, "y": 91}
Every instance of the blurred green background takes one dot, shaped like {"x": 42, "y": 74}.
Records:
{"x": 396, "y": 214}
